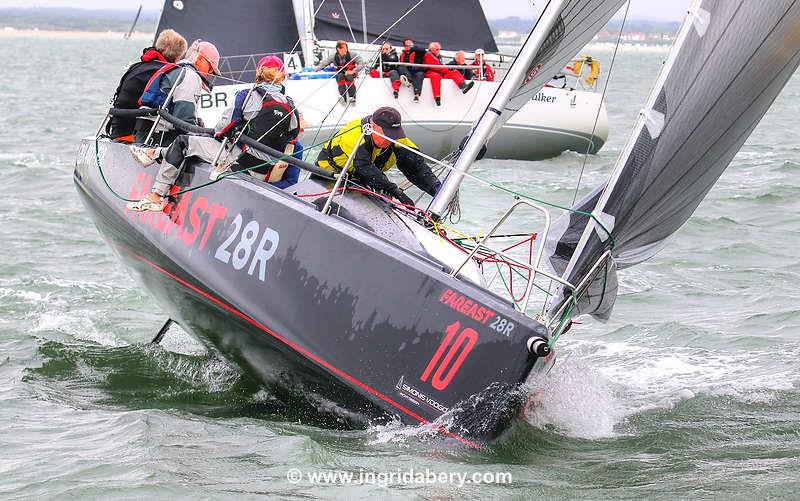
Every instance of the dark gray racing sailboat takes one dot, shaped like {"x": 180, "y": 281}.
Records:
{"x": 350, "y": 303}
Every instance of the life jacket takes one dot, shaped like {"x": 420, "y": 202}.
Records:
{"x": 270, "y": 125}
{"x": 411, "y": 56}
{"x": 345, "y": 62}
{"x": 390, "y": 57}
{"x": 153, "y": 95}
{"x": 130, "y": 89}
{"x": 488, "y": 72}
{"x": 335, "y": 153}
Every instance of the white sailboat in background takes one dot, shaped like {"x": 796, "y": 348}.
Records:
{"x": 552, "y": 121}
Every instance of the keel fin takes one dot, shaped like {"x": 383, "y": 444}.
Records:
{"x": 162, "y": 331}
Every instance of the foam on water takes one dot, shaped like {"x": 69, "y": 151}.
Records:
{"x": 575, "y": 399}
{"x": 212, "y": 374}
{"x": 591, "y": 394}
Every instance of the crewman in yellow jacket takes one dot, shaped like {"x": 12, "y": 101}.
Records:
{"x": 376, "y": 154}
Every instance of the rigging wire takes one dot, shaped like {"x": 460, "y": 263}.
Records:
{"x": 350, "y": 28}
{"x": 203, "y": 185}
{"x": 444, "y": 166}
{"x": 602, "y": 99}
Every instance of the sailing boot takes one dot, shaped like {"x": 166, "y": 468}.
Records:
{"x": 438, "y": 100}
{"x": 145, "y": 156}
{"x": 467, "y": 86}
{"x": 396, "y": 93}
{"x": 416, "y": 98}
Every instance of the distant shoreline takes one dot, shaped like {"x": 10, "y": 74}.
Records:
{"x": 8, "y": 32}
{"x": 110, "y": 35}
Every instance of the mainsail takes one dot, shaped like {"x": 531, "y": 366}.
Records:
{"x": 457, "y": 24}
{"x": 562, "y": 30}
{"x": 236, "y": 27}
{"x": 730, "y": 61}
{"x": 244, "y": 27}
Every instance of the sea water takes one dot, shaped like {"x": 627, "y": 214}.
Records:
{"x": 691, "y": 390}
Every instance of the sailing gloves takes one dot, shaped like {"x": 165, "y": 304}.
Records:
{"x": 400, "y": 196}
{"x": 417, "y": 171}
{"x": 412, "y": 166}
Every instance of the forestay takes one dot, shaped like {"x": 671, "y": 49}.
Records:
{"x": 730, "y": 61}
{"x": 563, "y": 29}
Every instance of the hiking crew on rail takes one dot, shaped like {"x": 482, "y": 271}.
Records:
{"x": 347, "y": 67}
{"x": 178, "y": 86}
{"x": 169, "y": 48}
{"x": 383, "y": 68}
{"x": 412, "y": 76}
{"x": 436, "y": 74}
{"x": 263, "y": 113}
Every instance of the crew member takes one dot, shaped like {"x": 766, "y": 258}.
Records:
{"x": 347, "y": 67}
{"x": 263, "y": 113}
{"x": 412, "y": 76}
{"x": 390, "y": 71}
{"x": 484, "y": 71}
{"x": 440, "y": 71}
{"x": 169, "y": 48}
{"x": 460, "y": 59}
{"x": 376, "y": 154}
{"x": 189, "y": 78}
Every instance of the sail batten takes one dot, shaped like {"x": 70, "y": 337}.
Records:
{"x": 729, "y": 63}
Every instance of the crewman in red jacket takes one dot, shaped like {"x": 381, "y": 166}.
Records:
{"x": 485, "y": 71}
{"x": 432, "y": 57}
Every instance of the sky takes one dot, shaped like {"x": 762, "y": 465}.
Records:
{"x": 654, "y": 10}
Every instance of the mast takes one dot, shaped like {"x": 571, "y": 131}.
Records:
{"x": 304, "y": 15}
{"x": 364, "y": 20}
{"x": 135, "y": 20}
{"x": 484, "y": 127}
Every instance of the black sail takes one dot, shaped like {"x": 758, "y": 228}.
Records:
{"x": 730, "y": 61}
{"x": 457, "y": 24}
{"x": 236, "y": 27}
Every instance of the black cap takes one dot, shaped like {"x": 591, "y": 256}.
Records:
{"x": 389, "y": 120}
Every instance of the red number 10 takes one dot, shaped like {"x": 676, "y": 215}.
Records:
{"x": 467, "y": 338}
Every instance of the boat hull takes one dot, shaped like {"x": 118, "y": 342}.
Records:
{"x": 361, "y": 327}
{"x": 554, "y": 121}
